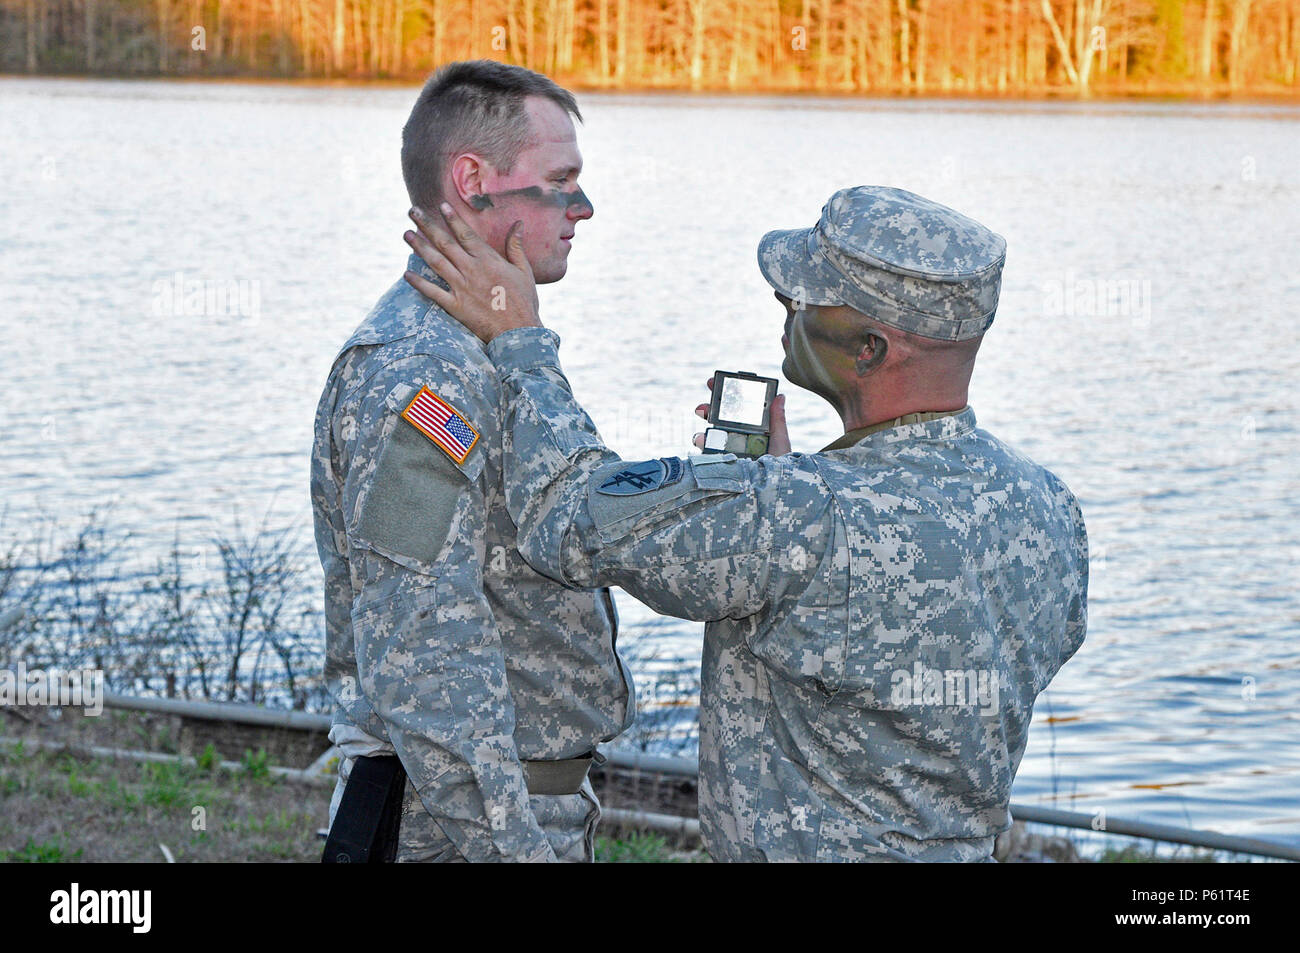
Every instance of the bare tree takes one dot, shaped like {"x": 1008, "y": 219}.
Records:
{"x": 971, "y": 46}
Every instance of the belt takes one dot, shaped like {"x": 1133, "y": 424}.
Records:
{"x": 556, "y": 777}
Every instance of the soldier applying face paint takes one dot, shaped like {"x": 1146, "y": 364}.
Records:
{"x": 881, "y": 615}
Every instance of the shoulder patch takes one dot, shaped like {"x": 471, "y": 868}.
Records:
{"x": 441, "y": 423}
{"x": 643, "y": 477}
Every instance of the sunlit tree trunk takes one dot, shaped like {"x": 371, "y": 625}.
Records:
{"x": 637, "y": 46}
{"x": 624, "y": 33}
{"x": 921, "y": 22}
{"x": 90, "y": 34}
{"x": 550, "y": 46}
{"x": 1062, "y": 46}
{"x": 1017, "y": 44}
{"x": 31, "y": 36}
{"x": 399, "y": 18}
{"x": 514, "y": 35}
{"x": 780, "y": 37}
{"x": 602, "y": 41}
{"x": 358, "y": 42}
{"x": 885, "y": 46}
{"x": 1123, "y": 42}
{"x": 699, "y": 23}
{"x": 279, "y": 39}
{"x": 1237, "y": 42}
{"x": 1003, "y": 42}
{"x": 570, "y": 34}
{"x": 1037, "y": 42}
{"x": 1091, "y": 24}
{"x": 851, "y": 28}
{"x": 1209, "y": 31}
{"x": 944, "y": 61}
{"x": 306, "y": 35}
{"x": 164, "y": 29}
{"x": 904, "y": 42}
{"x": 530, "y": 35}
{"x": 336, "y": 50}
{"x": 1294, "y": 59}
{"x": 738, "y": 40}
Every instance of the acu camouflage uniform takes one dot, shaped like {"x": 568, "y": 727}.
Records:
{"x": 441, "y": 643}
{"x": 881, "y": 615}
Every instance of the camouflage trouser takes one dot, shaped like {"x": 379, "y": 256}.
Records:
{"x": 568, "y": 820}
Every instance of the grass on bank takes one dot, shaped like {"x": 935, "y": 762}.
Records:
{"x": 70, "y": 805}
{"x": 121, "y": 811}
{"x": 635, "y": 847}
{"x": 60, "y": 808}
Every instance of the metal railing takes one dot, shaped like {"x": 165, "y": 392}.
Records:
{"x": 658, "y": 764}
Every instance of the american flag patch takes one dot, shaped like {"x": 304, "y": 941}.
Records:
{"x": 440, "y": 422}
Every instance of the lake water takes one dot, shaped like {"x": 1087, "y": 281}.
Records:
{"x": 1145, "y": 349}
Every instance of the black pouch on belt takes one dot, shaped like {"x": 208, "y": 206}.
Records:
{"x": 369, "y": 815}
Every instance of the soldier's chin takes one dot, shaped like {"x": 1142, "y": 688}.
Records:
{"x": 789, "y": 373}
{"x": 550, "y": 272}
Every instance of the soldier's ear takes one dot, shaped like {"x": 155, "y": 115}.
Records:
{"x": 872, "y": 354}
{"x": 467, "y": 174}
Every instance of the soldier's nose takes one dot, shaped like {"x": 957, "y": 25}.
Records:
{"x": 580, "y": 206}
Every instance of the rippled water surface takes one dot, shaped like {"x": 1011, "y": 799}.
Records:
{"x": 1172, "y": 414}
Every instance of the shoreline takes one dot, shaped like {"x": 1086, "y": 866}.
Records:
{"x": 267, "y": 790}
{"x": 1058, "y": 95}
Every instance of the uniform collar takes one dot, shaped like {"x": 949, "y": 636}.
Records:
{"x": 403, "y": 311}
{"x": 965, "y": 419}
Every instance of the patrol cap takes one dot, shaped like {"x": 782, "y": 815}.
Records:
{"x": 897, "y": 257}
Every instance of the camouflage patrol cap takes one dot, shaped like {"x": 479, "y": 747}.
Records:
{"x": 900, "y": 259}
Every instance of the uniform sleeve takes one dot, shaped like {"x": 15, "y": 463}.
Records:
{"x": 1076, "y": 575}
{"x": 690, "y": 538}
{"x": 428, "y": 651}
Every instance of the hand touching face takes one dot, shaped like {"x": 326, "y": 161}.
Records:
{"x": 485, "y": 292}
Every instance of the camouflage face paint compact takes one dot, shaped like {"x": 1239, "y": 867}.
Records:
{"x": 740, "y": 414}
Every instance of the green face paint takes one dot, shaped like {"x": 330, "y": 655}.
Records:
{"x": 536, "y": 194}
{"x": 804, "y": 367}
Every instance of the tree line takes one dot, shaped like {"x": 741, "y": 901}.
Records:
{"x": 1013, "y": 47}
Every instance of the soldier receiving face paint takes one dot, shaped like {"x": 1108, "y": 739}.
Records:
{"x": 882, "y": 614}
{"x": 490, "y": 683}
